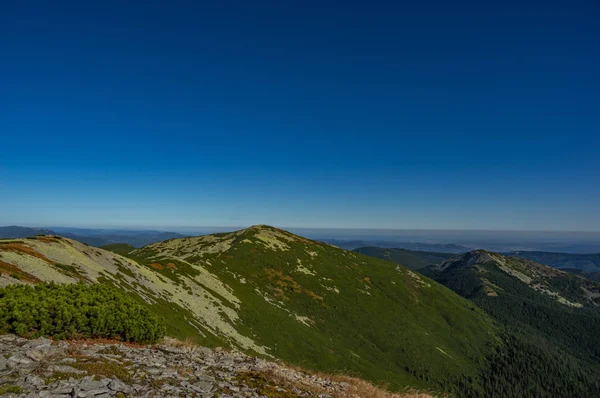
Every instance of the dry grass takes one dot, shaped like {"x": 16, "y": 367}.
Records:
{"x": 340, "y": 386}
{"x": 25, "y": 250}
{"x": 363, "y": 389}
{"x": 13, "y": 270}
{"x": 47, "y": 239}
{"x": 286, "y": 282}
{"x": 188, "y": 342}
{"x": 157, "y": 266}
{"x": 75, "y": 344}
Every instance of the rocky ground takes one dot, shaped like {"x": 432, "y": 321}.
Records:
{"x": 43, "y": 368}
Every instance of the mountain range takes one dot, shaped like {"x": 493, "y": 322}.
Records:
{"x": 584, "y": 265}
{"x": 418, "y": 246}
{"x": 470, "y": 325}
{"x": 93, "y": 237}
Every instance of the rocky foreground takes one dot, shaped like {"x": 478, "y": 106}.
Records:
{"x": 43, "y": 368}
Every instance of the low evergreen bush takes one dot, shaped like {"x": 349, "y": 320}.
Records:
{"x": 76, "y": 311}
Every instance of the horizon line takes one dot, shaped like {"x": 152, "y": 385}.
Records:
{"x": 238, "y": 227}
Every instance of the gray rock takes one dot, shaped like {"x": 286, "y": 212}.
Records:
{"x": 203, "y": 386}
{"x": 89, "y": 384}
{"x": 118, "y": 386}
{"x": 19, "y": 360}
{"x": 105, "y": 382}
{"x": 35, "y": 355}
{"x": 190, "y": 371}
{"x": 93, "y": 393}
{"x": 63, "y": 390}
{"x": 38, "y": 343}
{"x": 35, "y": 381}
{"x": 49, "y": 394}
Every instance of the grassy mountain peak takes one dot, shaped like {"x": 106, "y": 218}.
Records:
{"x": 269, "y": 292}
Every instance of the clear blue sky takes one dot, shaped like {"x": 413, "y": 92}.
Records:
{"x": 438, "y": 114}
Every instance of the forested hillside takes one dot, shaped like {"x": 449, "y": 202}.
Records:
{"x": 551, "y": 320}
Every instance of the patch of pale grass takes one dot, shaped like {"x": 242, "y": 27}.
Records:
{"x": 358, "y": 388}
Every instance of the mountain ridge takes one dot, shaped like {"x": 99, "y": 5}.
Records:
{"x": 551, "y": 318}
{"x": 273, "y": 293}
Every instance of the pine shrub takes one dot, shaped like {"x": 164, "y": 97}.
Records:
{"x": 76, "y": 311}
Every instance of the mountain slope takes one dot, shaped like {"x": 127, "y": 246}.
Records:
{"x": 552, "y": 317}
{"x": 548, "y": 282}
{"x": 595, "y": 276}
{"x": 409, "y": 258}
{"x": 119, "y": 248}
{"x": 269, "y": 292}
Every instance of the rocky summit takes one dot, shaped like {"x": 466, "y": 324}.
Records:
{"x": 43, "y": 368}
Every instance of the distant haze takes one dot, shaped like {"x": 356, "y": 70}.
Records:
{"x": 554, "y": 241}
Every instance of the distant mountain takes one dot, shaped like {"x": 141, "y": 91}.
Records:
{"x": 553, "y": 318}
{"x": 583, "y": 262}
{"x": 268, "y": 292}
{"x": 93, "y": 237}
{"x": 562, "y": 287}
{"x": 103, "y": 237}
{"x": 416, "y": 246}
{"x": 14, "y": 231}
{"x": 409, "y": 258}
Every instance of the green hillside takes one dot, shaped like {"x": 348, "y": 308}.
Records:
{"x": 271, "y": 293}
{"x": 409, "y": 258}
{"x": 119, "y": 248}
{"x": 329, "y": 309}
{"x": 595, "y": 276}
{"x": 552, "y": 318}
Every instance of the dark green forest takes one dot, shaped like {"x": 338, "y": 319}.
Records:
{"x": 549, "y": 349}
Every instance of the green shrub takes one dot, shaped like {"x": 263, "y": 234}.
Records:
{"x": 10, "y": 389}
{"x": 76, "y": 311}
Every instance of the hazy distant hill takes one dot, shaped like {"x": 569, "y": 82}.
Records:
{"x": 102, "y": 237}
{"x": 93, "y": 237}
{"x": 272, "y": 293}
{"x": 583, "y": 262}
{"x": 409, "y": 258}
{"x": 14, "y": 231}
{"x": 416, "y": 246}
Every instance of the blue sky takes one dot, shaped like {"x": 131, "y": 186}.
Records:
{"x": 450, "y": 115}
